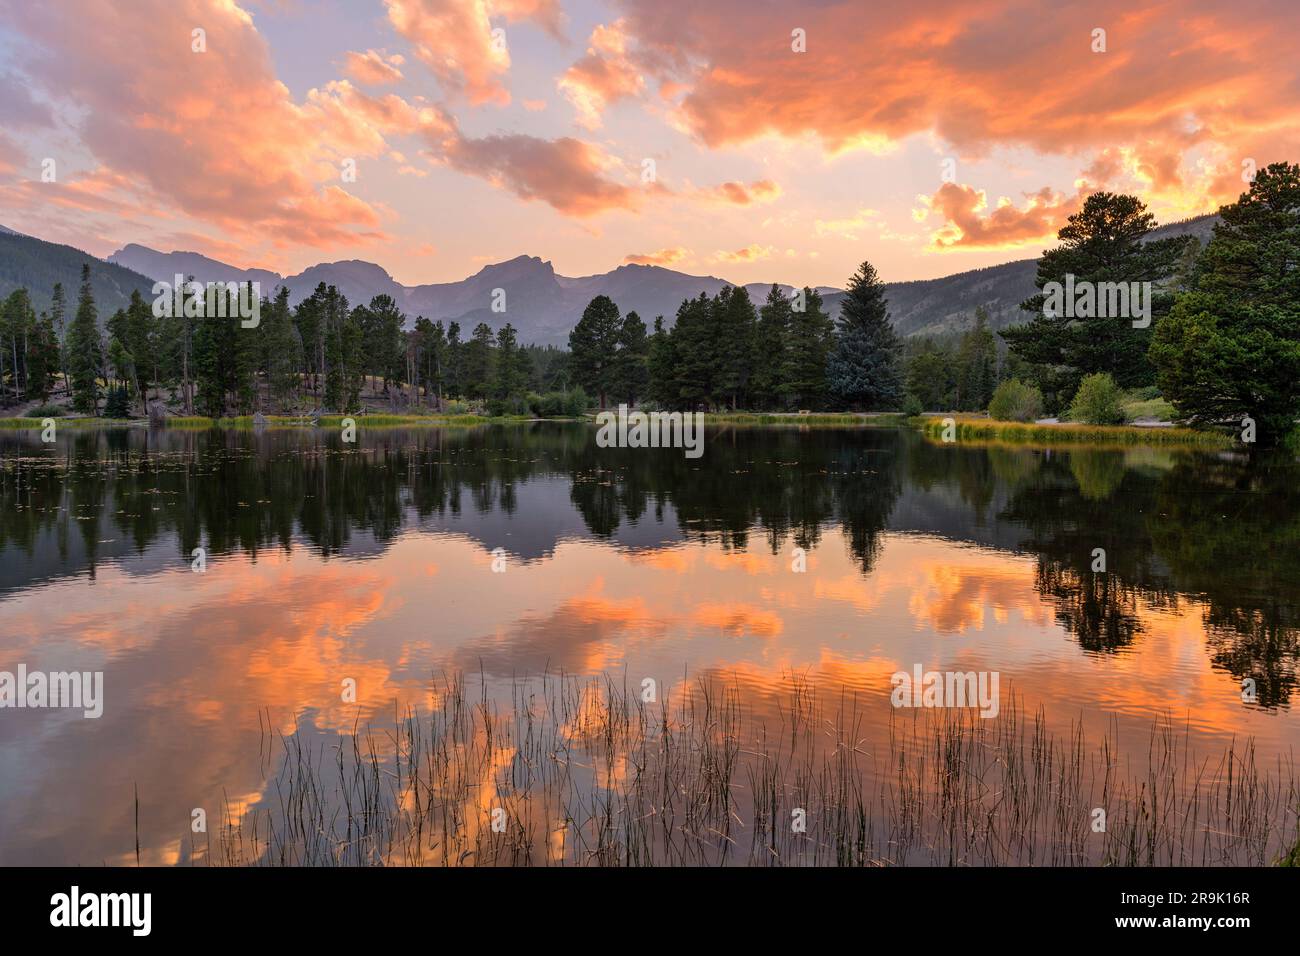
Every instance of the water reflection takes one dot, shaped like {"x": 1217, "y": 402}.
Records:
{"x": 373, "y": 561}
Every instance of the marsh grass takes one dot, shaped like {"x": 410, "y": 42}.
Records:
{"x": 587, "y": 774}
{"x": 823, "y": 419}
{"x": 1030, "y": 433}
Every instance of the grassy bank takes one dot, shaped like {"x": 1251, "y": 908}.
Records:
{"x": 272, "y": 421}
{"x": 823, "y": 419}
{"x": 582, "y": 772}
{"x": 1032, "y": 433}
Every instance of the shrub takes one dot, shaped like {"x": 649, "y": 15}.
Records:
{"x": 118, "y": 404}
{"x": 1098, "y": 401}
{"x": 1014, "y": 401}
{"x": 912, "y": 406}
{"x": 45, "y": 411}
{"x": 576, "y": 402}
{"x": 456, "y": 407}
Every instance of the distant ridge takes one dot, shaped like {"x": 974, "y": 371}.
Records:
{"x": 541, "y": 304}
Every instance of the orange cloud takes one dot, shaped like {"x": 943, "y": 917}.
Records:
{"x": 213, "y": 134}
{"x": 1189, "y": 89}
{"x": 456, "y": 40}
{"x": 742, "y": 194}
{"x": 664, "y": 257}
{"x": 751, "y": 253}
{"x": 605, "y": 75}
{"x": 373, "y": 68}
{"x": 969, "y": 224}
{"x": 566, "y": 173}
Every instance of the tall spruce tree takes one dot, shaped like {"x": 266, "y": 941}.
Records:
{"x": 770, "y": 337}
{"x": 661, "y": 366}
{"x": 513, "y": 366}
{"x": 810, "y": 336}
{"x": 734, "y": 323}
{"x": 593, "y": 345}
{"x": 631, "y": 374}
{"x": 864, "y": 366}
{"x": 977, "y": 365}
{"x": 1230, "y": 347}
{"x": 85, "y": 354}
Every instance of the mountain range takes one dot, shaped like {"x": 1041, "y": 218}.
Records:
{"x": 540, "y": 303}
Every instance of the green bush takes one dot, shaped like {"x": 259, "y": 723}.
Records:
{"x": 456, "y": 407}
{"x": 912, "y": 406}
{"x": 1014, "y": 401}
{"x": 118, "y": 404}
{"x": 45, "y": 411}
{"x": 576, "y": 402}
{"x": 1099, "y": 401}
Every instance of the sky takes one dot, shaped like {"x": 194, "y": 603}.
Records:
{"x": 756, "y": 141}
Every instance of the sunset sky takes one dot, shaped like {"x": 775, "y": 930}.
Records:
{"x": 473, "y": 146}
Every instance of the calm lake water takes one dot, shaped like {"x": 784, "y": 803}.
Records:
{"x": 374, "y": 561}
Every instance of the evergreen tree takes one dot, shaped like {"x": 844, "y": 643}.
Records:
{"x": 770, "y": 339}
{"x": 17, "y": 322}
{"x": 661, "y": 364}
{"x": 863, "y": 368}
{"x": 631, "y": 374}
{"x": 58, "y": 320}
{"x": 1103, "y": 242}
{"x": 282, "y": 354}
{"x": 1230, "y": 348}
{"x": 695, "y": 350}
{"x": 477, "y": 367}
{"x": 42, "y": 359}
{"x": 735, "y": 324}
{"x": 931, "y": 375}
{"x": 593, "y": 344}
{"x": 977, "y": 358}
{"x": 809, "y": 339}
{"x": 381, "y": 323}
{"x": 455, "y": 376}
{"x": 513, "y": 365}
{"x": 85, "y": 355}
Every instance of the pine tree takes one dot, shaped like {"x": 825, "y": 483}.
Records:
{"x": 454, "y": 374}
{"x": 43, "y": 359}
{"x": 695, "y": 346}
{"x": 282, "y": 355}
{"x": 85, "y": 355}
{"x": 977, "y": 359}
{"x": 478, "y": 362}
{"x": 1103, "y": 242}
{"x": 1230, "y": 347}
{"x": 810, "y": 335}
{"x": 593, "y": 344}
{"x": 58, "y": 320}
{"x": 770, "y": 347}
{"x": 513, "y": 365}
{"x": 631, "y": 374}
{"x": 735, "y": 323}
{"x": 661, "y": 364}
{"x": 863, "y": 369}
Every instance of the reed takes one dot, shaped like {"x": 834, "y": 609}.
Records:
{"x": 1031, "y": 433}
{"x": 582, "y": 772}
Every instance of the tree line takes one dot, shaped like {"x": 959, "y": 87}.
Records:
{"x": 723, "y": 352}
{"x": 321, "y": 354}
{"x": 1223, "y": 343}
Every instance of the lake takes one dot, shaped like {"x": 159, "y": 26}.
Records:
{"x": 433, "y": 620}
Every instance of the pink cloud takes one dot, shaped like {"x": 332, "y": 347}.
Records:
{"x": 374, "y": 68}
{"x": 457, "y": 41}
{"x": 212, "y": 134}
{"x": 664, "y": 257}
{"x": 604, "y": 76}
{"x": 1176, "y": 78}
